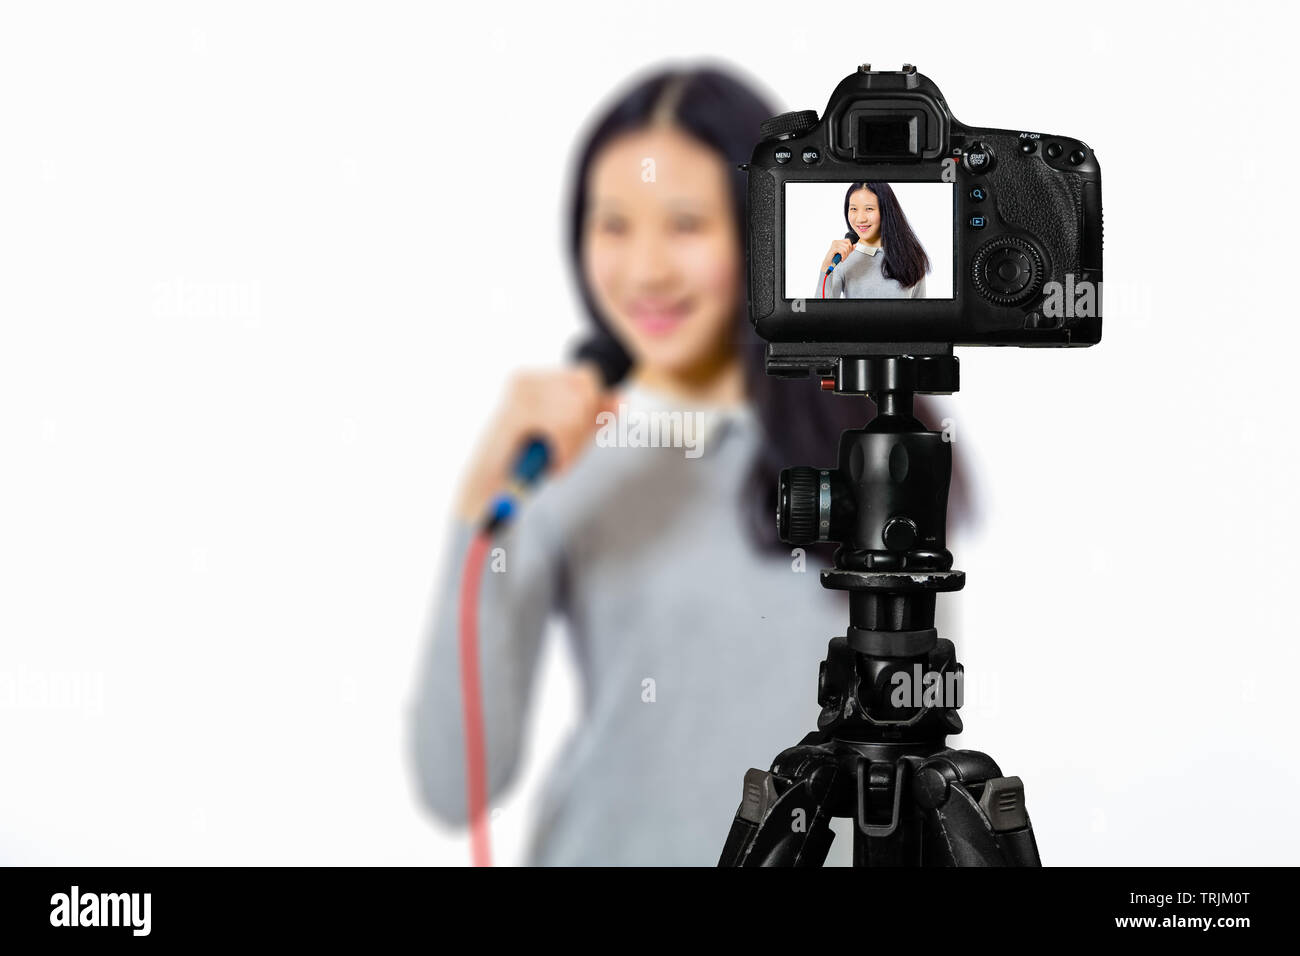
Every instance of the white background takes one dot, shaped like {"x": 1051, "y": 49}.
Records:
{"x": 813, "y": 210}
{"x": 227, "y": 510}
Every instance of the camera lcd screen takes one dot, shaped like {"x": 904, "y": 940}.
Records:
{"x": 895, "y": 240}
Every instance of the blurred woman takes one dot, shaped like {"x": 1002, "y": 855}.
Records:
{"x": 697, "y": 634}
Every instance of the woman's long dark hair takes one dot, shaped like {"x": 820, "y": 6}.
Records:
{"x": 905, "y": 258}
{"x": 801, "y": 424}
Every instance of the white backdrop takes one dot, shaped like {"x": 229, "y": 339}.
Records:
{"x": 814, "y": 216}
{"x": 244, "y": 359}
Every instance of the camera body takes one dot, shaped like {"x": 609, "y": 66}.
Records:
{"x": 1006, "y": 225}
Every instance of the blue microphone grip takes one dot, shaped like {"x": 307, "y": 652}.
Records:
{"x": 529, "y": 467}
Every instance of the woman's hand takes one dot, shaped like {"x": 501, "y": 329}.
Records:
{"x": 559, "y": 406}
{"x": 841, "y": 248}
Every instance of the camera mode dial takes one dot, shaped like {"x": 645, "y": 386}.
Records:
{"x": 788, "y": 124}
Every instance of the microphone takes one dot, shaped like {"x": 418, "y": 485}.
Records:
{"x": 834, "y": 263}
{"x": 534, "y": 458}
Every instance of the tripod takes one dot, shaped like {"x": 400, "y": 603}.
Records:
{"x": 890, "y": 687}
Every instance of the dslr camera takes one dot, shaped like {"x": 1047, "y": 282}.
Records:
{"x": 925, "y": 234}
{"x": 888, "y": 227}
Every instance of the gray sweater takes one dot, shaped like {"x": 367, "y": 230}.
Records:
{"x": 644, "y": 553}
{"x": 859, "y": 277}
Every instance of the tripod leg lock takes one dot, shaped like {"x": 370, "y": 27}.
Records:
{"x": 784, "y": 814}
{"x": 1003, "y": 802}
{"x": 758, "y": 796}
{"x": 980, "y": 813}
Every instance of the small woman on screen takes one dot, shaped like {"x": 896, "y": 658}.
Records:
{"x": 880, "y": 256}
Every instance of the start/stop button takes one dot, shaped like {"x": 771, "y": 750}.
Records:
{"x": 978, "y": 158}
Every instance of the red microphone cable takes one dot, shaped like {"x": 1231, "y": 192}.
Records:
{"x": 471, "y": 693}
{"x": 612, "y": 362}
{"x": 834, "y": 262}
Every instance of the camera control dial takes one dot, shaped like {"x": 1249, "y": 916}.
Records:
{"x": 788, "y": 124}
{"x": 1007, "y": 270}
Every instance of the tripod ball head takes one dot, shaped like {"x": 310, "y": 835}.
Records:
{"x": 886, "y": 504}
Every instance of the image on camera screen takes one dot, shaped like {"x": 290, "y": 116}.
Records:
{"x": 894, "y": 240}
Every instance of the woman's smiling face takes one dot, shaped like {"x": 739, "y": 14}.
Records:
{"x": 659, "y": 251}
{"x": 864, "y": 215}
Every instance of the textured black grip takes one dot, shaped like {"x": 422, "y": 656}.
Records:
{"x": 1041, "y": 201}
{"x": 761, "y": 254}
{"x": 1092, "y": 226}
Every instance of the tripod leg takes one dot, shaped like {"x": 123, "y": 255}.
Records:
{"x": 974, "y": 815}
{"x": 784, "y": 814}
